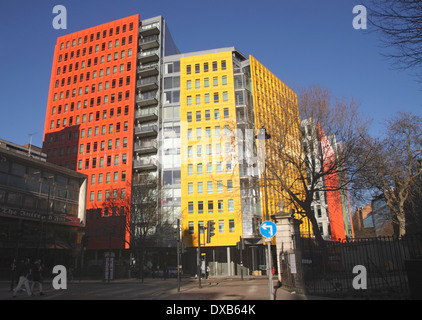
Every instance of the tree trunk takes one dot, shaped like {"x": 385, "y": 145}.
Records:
{"x": 401, "y": 218}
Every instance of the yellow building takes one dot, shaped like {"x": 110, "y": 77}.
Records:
{"x": 210, "y": 179}
{"x": 225, "y": 99}
{"x": 276, "y": 110}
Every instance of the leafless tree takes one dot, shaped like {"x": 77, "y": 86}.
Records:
{"x": 145, "y": 218}
{"x": 394, "y": 169}
{"x": 400, "y": 24}
{"x": 304, "y": 165}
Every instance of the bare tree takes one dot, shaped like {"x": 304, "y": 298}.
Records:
{"x": 400, "y": 24}
{"x": 394, "y": 168}
{"x": 305, "y": 165}
{"x": 141, "y": 214}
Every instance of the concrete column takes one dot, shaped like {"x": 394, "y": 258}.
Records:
{"x": 229, "y": 272}
{"x": 287, "y": 228}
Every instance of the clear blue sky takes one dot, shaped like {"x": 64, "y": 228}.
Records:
{"x": 302, "y": 42}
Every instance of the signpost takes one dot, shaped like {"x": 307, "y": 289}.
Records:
{"x": 268, "y": 230}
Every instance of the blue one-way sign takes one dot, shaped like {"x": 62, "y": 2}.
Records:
{"x": 268, "y": 229}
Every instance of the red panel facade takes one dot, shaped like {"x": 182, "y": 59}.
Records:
{"x": 90, "y": 117}
{"x": 334, "y": 203}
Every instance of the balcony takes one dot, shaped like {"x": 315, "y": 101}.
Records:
{"x": 145, "y": 147}
{"x": 149, "y": 42}
{"x": 147, "y": 114}
{"x": 146, "y": 131}
{"x": 147, "y": 84}
{"x": 149, "y": 56}
{"x": 150, "y": 29}
{"x": 148, "y": 70}
{"x": 147, "y": 98}
{"x": 145, "y": 164}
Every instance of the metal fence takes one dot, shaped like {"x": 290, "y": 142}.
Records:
{"x": 376, "y": 265}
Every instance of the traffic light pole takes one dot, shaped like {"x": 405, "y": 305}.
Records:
{"x": 178, "y": 255}
{"x": 198, "y": 251}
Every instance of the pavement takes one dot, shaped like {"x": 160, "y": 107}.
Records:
{"x": 214, "y": 288}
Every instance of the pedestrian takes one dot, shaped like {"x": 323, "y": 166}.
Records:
{"x": 37, "y": 276}
{"x": 23, "y": 272}
{"x": 12, "y": 274}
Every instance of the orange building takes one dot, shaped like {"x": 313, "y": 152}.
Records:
{"x": 90, "y": 111}
{"x": 102, "y": 116}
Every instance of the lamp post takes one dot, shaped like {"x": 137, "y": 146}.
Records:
{"x": 263, "y": 135}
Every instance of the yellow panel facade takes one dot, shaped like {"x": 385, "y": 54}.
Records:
{"x": 210, "y": 181}
{"x": 276, "y": 109}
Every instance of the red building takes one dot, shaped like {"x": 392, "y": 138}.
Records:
{"x": 90, "y": 118}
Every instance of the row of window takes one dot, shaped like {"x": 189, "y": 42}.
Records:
{"x": 82, "y": 76}
{"x": 108, "y": 195}
{"x": 87, "y": 148}
{"x": 116, "y": 32}
{"x": 209, "y": 168}
{"x": 98, "y": 179}
{"x": 208, "y": 132}
{"x": 207, "y": 114}
{"x": 210, "y": 187}
{"x": 208, "y": 150}
{"x": 107, "y": 112}
{"x": 96, "y": 73}
{"x": 206, "y": 83}
{"x": 100, "y": 100}
{"x": 206, "y": 67}
{"x": 221, "y": 226}
{"x": 103, "y": 161}
{"x": 206, "y": 97}
{"x": 104, "y": 46}
{"x": 64, "y": 123}
{"x": 210, "y": 207}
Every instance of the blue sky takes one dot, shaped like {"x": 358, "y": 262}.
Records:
{"x": 303, "y": 42}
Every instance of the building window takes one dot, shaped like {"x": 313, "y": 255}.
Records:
{"x": 226, "y": 113}
{"x": 210, "y": 206}
{"x": 231, "y": 205}
{"x": 229, "y": 186}
{"x": 214, "y": 66}
{"x": 220, "y": 206}
{"x": 231, "y": 226}
{"x": 221, "y": 226}
{"x": 190, "y": 207}
{"x": 209, "y": 186}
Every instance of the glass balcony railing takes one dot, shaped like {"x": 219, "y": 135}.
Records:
{"x": 147, "y": 98}
{"x": 148, "y": 56}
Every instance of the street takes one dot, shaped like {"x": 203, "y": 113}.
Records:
{"x": 157, "y": 289}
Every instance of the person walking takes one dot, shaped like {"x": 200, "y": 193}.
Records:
{"x": 37, "y": 276}
{"x": 23, "y": 272}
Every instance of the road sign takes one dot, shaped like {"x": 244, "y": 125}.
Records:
{"x": 268, "y": 229}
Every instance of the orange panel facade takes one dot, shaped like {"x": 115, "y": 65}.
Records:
{"x": 90, "y": 115}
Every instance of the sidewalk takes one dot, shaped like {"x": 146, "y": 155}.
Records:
{"x": 214, "y": 288}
